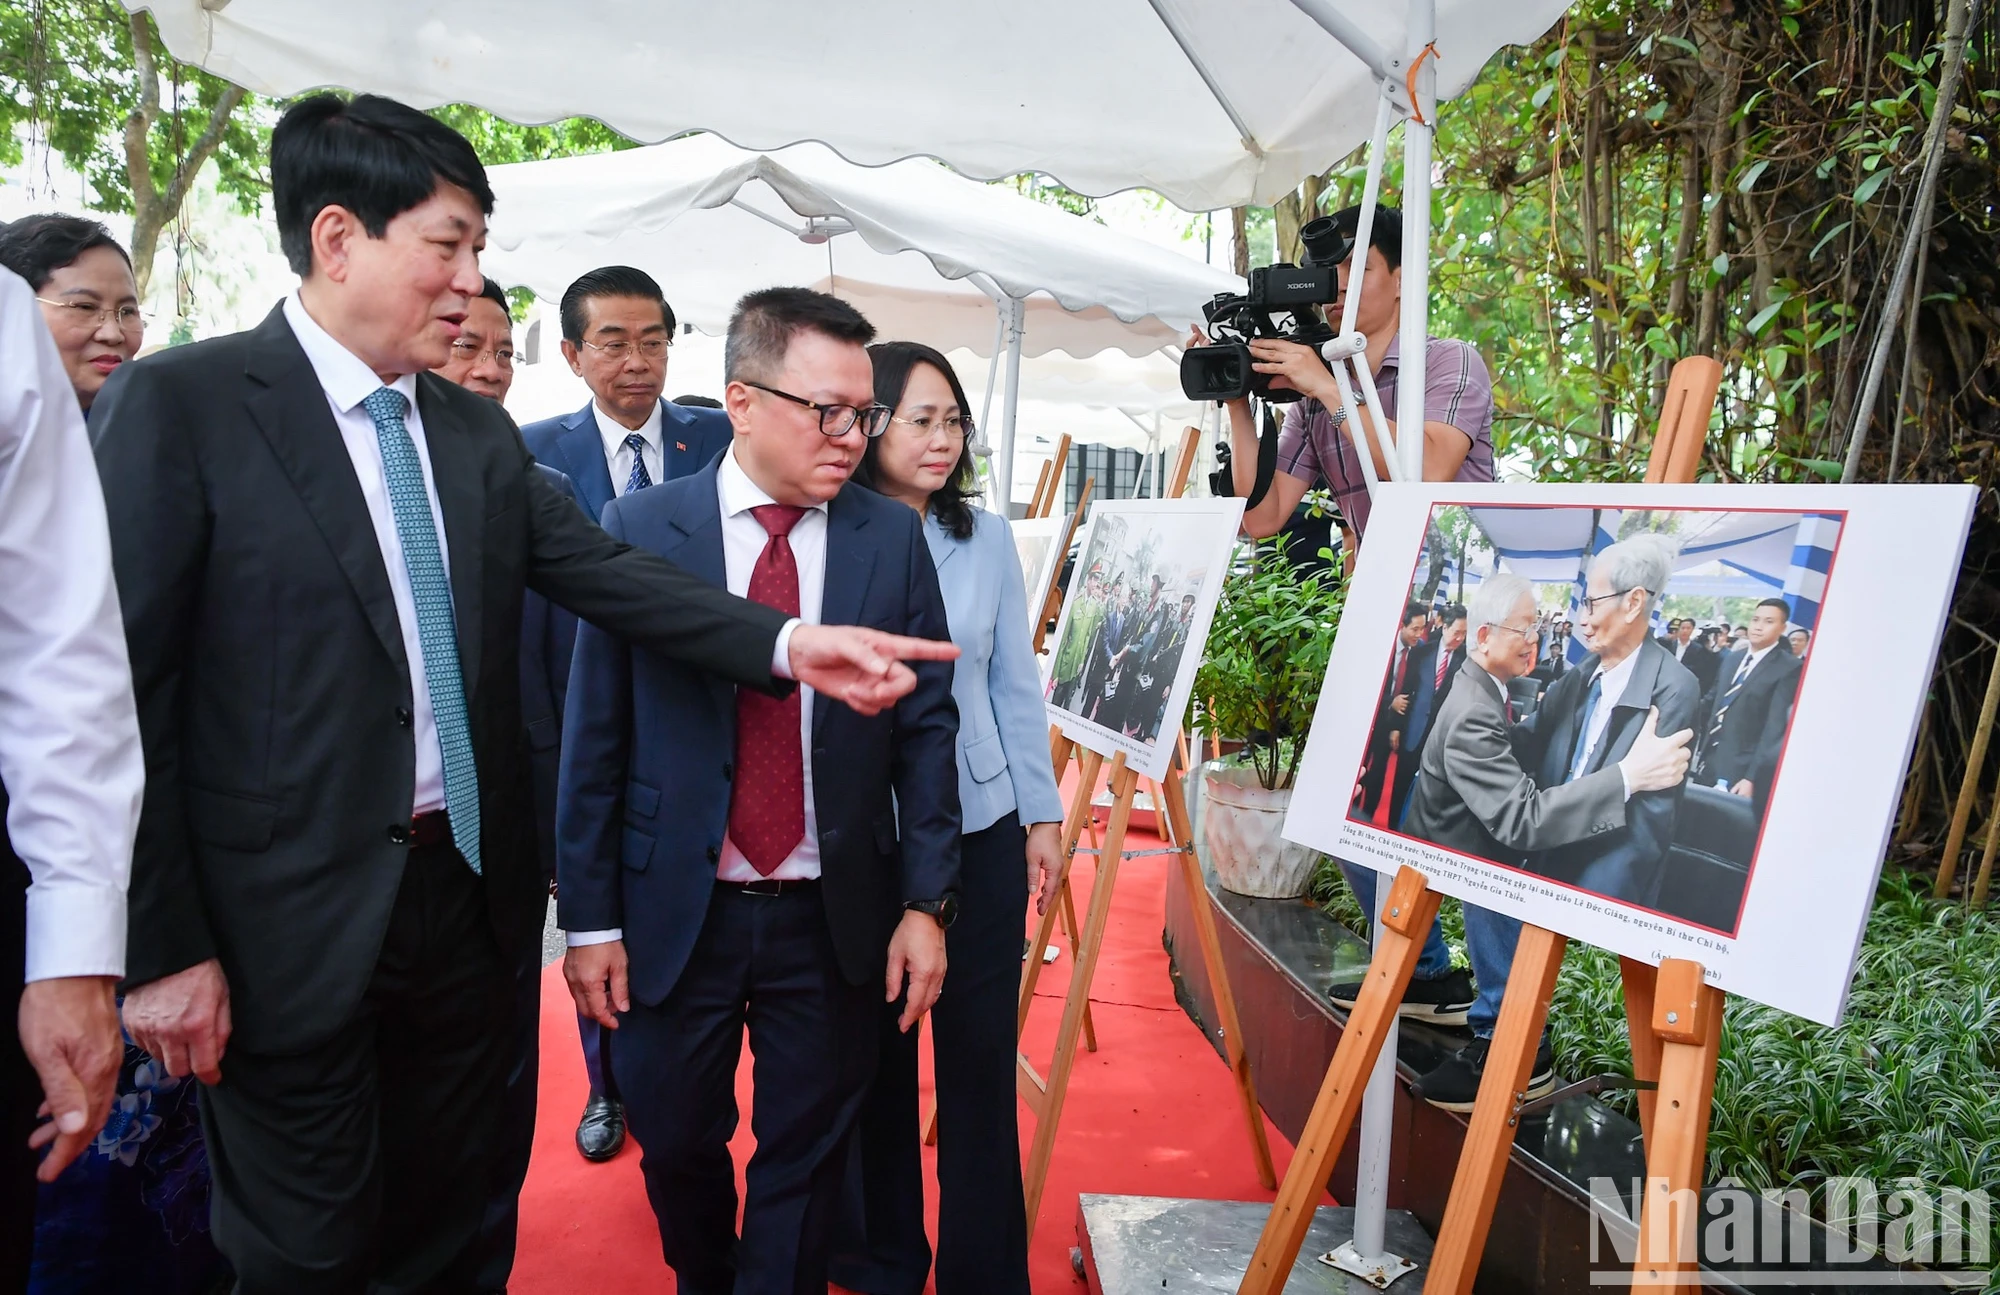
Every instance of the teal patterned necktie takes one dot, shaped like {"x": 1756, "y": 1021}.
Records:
{"x": 436, "y": 631}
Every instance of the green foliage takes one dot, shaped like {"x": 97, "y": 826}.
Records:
{"x": 1902, "y": 1088}
{"x": 1265, "y": 661}
{"x": 500, "y": 142}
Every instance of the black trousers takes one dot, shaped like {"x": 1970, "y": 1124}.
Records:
{"x": 364, "y": 1162}
{"x": 982, "y": 1221}
{"x": 499, "y": 1229}
{"x": 20, "y": 1087}
{"x": 764, "y": 962}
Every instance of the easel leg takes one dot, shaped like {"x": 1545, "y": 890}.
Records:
{"x": 1079, "y": 811}
{"x": 1489, "y": 1139}
{"x": 1686, "y": 1024}
{"x": 1640, "y": 978}
{"x": 1412, "y": 906}
{"x": 1046, "y": 1097}
{"x": 1202, "y": 905}
{"x": 1068, "y": 898}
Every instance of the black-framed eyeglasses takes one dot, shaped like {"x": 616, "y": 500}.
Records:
{"x": 1590, "y": 604}
{"x": 836, "y": 420}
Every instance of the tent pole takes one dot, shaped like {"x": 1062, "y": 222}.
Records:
{"x": 986, "y": 406}
{"x": 1003, "y": 468}
{"x": 1416, "y": 240}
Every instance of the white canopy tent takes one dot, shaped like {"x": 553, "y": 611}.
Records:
{"x": 925, "y": 253}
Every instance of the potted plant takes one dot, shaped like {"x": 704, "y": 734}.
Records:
{"x": 1259, "y": 681}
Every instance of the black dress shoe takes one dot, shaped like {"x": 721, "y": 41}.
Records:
{"x": 1454, "y": 1084}
{"x": 600, "y": 1134}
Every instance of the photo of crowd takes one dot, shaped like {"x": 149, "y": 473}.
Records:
{"x": 1138, "y": 610}
{"x": 1573, "y": 729}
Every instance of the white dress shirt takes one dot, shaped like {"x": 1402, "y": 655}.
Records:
{"x": 69, "y": 734}
{"x": 743, "y": 540}
{"x": 347, "y": 381}
{"x": 618, "y": 455}
{"x": 1611, "y": 690}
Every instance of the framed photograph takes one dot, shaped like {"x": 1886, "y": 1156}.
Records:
{"x": 1132, "y": 628}
{"x": 1039, "y": 542}
{"x": 1630, "y": 714}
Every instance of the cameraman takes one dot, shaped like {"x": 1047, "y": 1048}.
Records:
{"x": 1315, "y": 441}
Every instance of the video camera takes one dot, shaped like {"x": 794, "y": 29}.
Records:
{"x": 1283, "y": 302}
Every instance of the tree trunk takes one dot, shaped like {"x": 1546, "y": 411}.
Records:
{"x": 153, "y": 207}
{"x": 1708, "y": 330}
{"x": 1239, "y": 240}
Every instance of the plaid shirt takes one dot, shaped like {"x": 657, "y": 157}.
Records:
{"x": 1457, "y": 390}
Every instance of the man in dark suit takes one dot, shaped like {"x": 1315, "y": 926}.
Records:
{"x": 1691, "y": 652}
{"x": 1752, "y": 708}
{"x": 727, "y": 861}
{"x": 617, "y": 329}
{"x": 1394, "y": 707}
{"x": 1590, "y": 718}
{"x": 321, "y": 551}
{"x": 1473, "y": 796}
{"x": 1433, "y": 669}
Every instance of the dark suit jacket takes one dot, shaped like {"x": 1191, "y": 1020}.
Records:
{"x": 572, "y": 446}
{"x": 1697, "y": 661}
{"x": 1753, "y": 728}
{"x": 1426, "y": 694}
{"x": 1628, "y": 864}
{"x": 274, "y": 696}
{"x": 649, "y": 747}
{"x": 548, "y": 638}
{"x": 1475, "y": 798}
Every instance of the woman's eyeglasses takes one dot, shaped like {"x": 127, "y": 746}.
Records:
{"x": 836, "y": 420}
{"x": 957, "y": 426}
{"x": 88, "y": 313}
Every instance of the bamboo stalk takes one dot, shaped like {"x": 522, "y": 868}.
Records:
{"x": 1977, "y": 899}
{"x": 1968, "y": 789}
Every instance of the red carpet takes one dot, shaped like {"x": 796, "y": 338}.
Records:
{"x": 1153, "y": 1112}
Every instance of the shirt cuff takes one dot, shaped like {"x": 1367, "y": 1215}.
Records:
{"x": 75, "y": 931}
{"x": 1626, "y": 779}
{"x": 578, "y": 939}
{"x": 781, "y": 654}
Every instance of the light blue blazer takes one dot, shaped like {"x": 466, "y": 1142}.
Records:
{"x": 1003, "y": 729}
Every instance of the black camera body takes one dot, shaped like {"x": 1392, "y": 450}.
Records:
{"x": 1283, "y": 302}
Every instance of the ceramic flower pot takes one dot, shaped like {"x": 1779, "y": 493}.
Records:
{"x": 1241, "y": 826}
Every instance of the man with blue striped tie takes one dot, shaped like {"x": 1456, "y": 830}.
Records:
{"x": 321, "y": 551}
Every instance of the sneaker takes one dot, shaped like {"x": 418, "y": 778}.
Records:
{"x": 1443, "y": 1001}
{"x": 1454, "y": 1085}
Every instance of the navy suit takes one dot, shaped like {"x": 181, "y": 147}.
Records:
{"x": 689, "y": 439}
{"x": 1627, "y": 864}
{"x": 647, "y": 769}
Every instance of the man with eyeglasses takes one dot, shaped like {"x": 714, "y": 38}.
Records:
{"x": 617, "y": 327}
{"x": 482, "y": 356}
{"x": 787, "y": 867}
{"x": 1474, "y": 796}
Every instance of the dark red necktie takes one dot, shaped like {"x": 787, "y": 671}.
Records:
{"x": 767, "y": 803}
{"x": 1444, "y": 659}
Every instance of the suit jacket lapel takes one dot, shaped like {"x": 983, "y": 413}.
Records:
{"x": 455, "y": 473}
{"x": 583, "y": 450}
{"x": 696, "y": 546}
{"x": 290, "y": 408}
{"x": 849, "y": 564}
{"x": 1629, "y": 715}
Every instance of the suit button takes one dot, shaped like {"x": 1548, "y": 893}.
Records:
{"x": 399, "y": 835}
{"x": 728, "y": 771}
{"x": 403, "y": 716}
{"x": 714, "y": 855}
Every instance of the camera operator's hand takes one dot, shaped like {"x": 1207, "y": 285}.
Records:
{"x": 1294, "y": 366}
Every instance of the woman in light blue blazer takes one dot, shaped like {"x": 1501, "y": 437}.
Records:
{"x": 1012, "y": 825}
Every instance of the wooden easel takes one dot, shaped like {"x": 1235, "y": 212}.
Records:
{"x": 1045, "y": 1096}
{"x": 1674, "y": 1017}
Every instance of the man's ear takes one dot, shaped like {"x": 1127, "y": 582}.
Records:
{"x": 574, "y": 355}
{"x": 331, "y": 236}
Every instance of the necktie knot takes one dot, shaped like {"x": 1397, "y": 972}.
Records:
{"x": 636, "y": 443}
{"x": 778, "y": 519}
{"x": 385, "y": 404}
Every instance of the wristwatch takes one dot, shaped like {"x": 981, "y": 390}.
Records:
{"x": 945, "y": 910}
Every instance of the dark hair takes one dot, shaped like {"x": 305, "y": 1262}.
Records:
{"x": 1780, "y": 604}
{"x": 494, "y": 293}
{"x": 1411, "y": 611}
{"x": 1453, "y": 613}
{"x": 374, "y": 156}
{"x": 1385, "y": 235}
{"x": 610, "y": 281}
{"x": 35, "y": 247}
{"x": 698, "y": 402}
{"x": 894, "y": 362}
{"x": 764, "y": 322}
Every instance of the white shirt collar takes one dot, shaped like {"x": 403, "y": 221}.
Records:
{"x": 344, "y": 376}
{"x": 737, "y": 493}
{"x": 1756, "y": 655}
{"x": 613, "y": 433}
{"x": 1613, "y": 681}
